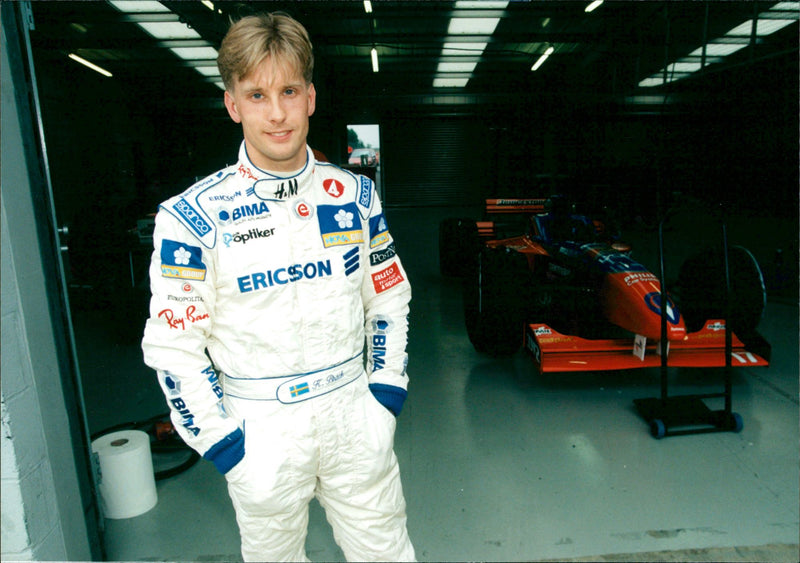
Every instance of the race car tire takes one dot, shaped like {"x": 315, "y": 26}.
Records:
{"x": 493, "y": 289}
{"x": 458, "y": 239}
{"x": 701, "y": 290}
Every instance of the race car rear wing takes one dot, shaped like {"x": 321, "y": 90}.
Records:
{"x": 556, "y": 352}
{"x": 501, "y": 205}
{"x": 492, "y": 229}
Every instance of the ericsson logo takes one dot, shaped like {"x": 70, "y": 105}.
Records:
{"x": 283, "y": 276}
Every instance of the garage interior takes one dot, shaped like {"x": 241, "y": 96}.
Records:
{"x": 633, "y": 107}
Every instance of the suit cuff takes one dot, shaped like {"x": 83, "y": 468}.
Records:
{"x": 389, "y": 396}
{"x": 226, "y": 453}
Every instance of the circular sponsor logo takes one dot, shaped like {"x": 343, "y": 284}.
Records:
{"x": 333, "y": 187}
{"x": 187, "y": 288}
{"x": 303, "y": 210}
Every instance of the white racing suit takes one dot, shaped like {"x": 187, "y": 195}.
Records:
{"x": 265, "y": 291}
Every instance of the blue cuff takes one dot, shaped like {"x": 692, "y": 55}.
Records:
{"x": 227, "y": 452}
{"x": 389, "y": 396}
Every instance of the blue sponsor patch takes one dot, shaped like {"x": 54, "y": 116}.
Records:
{"x": 182, "y": 261}
{"x": 339, "y": 224}
{"x": 192, "y": 217}
{"x": 365, "y": 192}
{"x": 378, "y": 231}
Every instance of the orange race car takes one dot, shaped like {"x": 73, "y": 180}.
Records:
{"x": 570, "y": 292}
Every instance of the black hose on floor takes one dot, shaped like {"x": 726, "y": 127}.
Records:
{"x": 163, "y": 439}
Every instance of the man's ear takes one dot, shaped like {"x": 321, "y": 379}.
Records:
{"x": 230, "y": 105}
{"x": 312, "y": 99}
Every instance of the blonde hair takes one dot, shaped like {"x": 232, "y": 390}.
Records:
{"x": 254, "y": 38}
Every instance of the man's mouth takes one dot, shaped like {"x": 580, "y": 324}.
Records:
{"x": 279, "y": 134}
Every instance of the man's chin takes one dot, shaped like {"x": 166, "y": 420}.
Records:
{"x": 281, "y": 161}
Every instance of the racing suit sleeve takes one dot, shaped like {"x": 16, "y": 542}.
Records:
{"x": 386, "y": 293}
{"x": 182, "y": 280}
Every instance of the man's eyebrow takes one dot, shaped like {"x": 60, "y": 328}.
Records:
{"x": 249, "y": 89}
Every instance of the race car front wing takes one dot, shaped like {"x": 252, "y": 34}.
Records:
{"x": 556, "y": 352}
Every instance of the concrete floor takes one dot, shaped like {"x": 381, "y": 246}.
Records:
{"x": 502, "y": 464}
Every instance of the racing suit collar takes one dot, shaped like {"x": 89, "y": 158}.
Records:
{"x": 266, "y": 185}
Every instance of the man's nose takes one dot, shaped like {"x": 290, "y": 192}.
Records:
{"x": 275, "y": 111}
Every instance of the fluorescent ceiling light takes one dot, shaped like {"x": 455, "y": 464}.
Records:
{"x": 374, "y": 55}
{"x": 684, "y": 67}
{"x": 195, "y": 53}
{"x": 763, "y": 27}
{"x": 92, "y": 66}
{"x": 744, "y": 29}
{"x": 169, "y": 30}
{"x": 470, "y": 52}
{"x": 720, "y": 49}
{"x": 472, "y": 26}
{"x": 767, "y": 22}
{"x": 770, "y": 26}
{"x": 207, "y": 70}
{"x": 651, "y": 81}
{"x": 174, "y": 31}
{"x": 368, "y": 6}
{"x": 481, "y": 4}
{"x": 456, "y": 67}
{"x": 138, "y": 7}
{"x": 543, "y": 58}
{"x": 594, "y": 5}
{"x": 450, "y": 82}
{"x": 463, "y": 49}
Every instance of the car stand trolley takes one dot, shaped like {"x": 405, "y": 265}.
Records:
{"x": 689, "y": 414}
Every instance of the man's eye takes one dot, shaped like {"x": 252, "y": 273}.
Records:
{"x": 256, "y": 96}
{"x": 289, "y": 91}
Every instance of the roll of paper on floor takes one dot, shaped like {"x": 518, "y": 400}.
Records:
{"x": 126, "y": 480}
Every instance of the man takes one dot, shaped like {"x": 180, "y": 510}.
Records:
{"x": 279, "y": 269}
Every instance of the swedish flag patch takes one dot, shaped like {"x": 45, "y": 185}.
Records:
{"x": 297, "y": 390}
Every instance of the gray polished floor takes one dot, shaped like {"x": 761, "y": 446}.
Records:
{"x": 502, "y": 464}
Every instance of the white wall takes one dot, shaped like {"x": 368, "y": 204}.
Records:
{"x": 30, "y": 526}
{"x": 43, "y": 509}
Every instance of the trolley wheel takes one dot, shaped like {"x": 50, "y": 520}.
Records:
{"x": 735, "y": 422}
{"x": 657, "y": 428}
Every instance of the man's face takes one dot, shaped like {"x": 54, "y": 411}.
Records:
{"x": 273, "y": 105}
